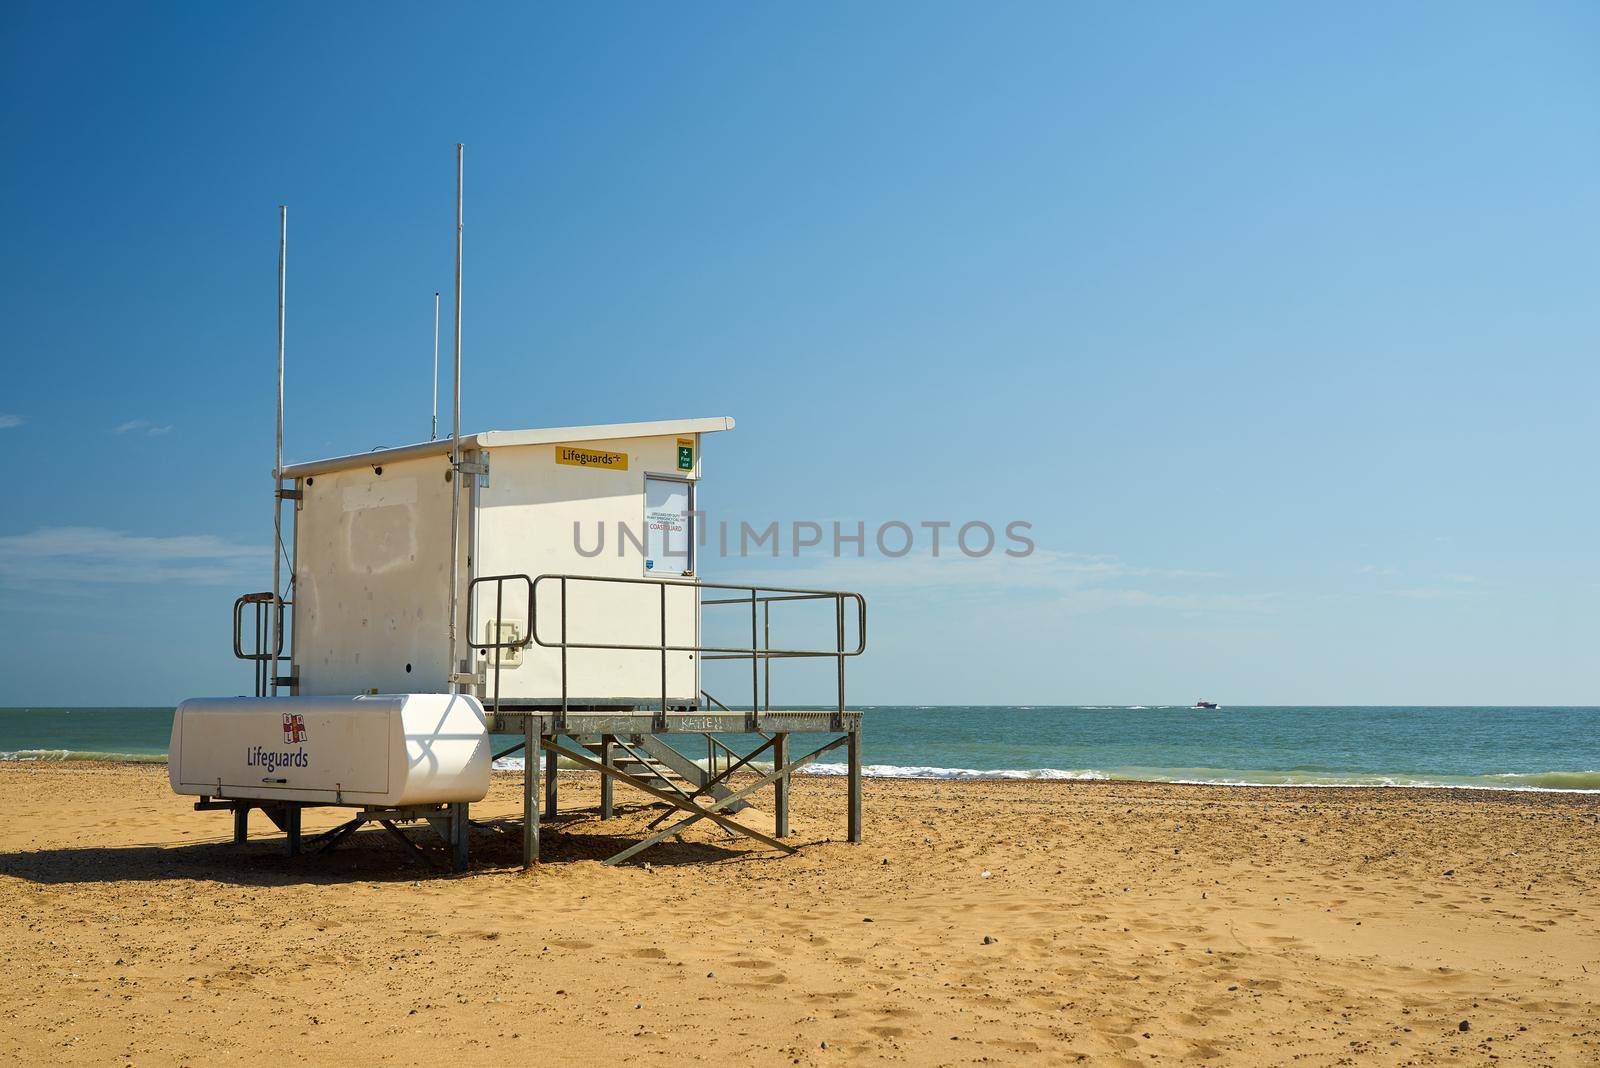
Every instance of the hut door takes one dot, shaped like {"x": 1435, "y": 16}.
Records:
{"x": 669, "y": 534}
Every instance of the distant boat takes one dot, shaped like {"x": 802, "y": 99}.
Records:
{"x": 1205, "y": 704}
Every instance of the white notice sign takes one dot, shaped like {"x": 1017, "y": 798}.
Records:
{"x": 668, "y": 538}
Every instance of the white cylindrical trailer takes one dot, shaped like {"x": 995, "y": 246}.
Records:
{"x": 388, "y": 750}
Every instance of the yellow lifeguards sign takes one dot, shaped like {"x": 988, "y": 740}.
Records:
{"x": 611, "y": 461}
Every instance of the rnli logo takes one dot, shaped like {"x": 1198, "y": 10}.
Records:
{"x": 294, "y": 728}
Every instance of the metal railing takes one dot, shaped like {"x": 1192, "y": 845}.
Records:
{"x": 759, "y": 652}
{"x": 718, "y": 751}
{"x": 262, "y": 658}
{"x": 499, "y": 617}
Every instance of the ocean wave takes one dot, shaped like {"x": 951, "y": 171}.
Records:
{"x": 1540, "y": 782}
{"x": 895, "y": 771}
{"x": 1587, "y": 782}
{"x": 83, "y": 754}
{"x": 515, "y": 763}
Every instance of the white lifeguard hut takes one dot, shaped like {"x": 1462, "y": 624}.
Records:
{"x": 541, "y": 583}
{"x": 372, "y": 549}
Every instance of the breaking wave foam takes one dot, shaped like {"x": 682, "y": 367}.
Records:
{"x": 1547, "y": 781}
{"x": 1541, "y": 782}
{"x": 83, "y": 754}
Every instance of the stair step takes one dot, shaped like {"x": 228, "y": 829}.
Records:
{"x": 653, "y": 773}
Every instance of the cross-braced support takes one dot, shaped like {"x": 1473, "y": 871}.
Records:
{"x": 710, "y": 785}
{"x": 450, "y": 822}
{"x": 687, "y": 803}
{"x": 776, "y": 775}
{"x": 662, "y": 795}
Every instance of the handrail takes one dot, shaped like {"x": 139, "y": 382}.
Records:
{"x": 499, "y": 606}
{"x": 238, "y": 610}
{"x": 260, "y": 656}
{"x": 758, "y": 652}
{"x": 735, "y": 652}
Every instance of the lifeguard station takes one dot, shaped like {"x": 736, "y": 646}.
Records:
{"x": 536, "y": 583}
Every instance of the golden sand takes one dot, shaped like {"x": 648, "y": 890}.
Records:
{"x": 1117, "y": 923}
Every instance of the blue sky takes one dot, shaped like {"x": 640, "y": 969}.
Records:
{"x": 1276, "y": 322}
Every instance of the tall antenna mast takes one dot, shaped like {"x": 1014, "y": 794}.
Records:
{"x": 433, "y": 434}
{"x": 276, "y": 621}
{"x": 455, "y": 451}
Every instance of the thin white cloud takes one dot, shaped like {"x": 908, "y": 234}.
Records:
{"x": 1376, "y": 569}
{"x": 1455, "y": 591}
{"x": 96, "y": 555}
{"x": 1425, "y": 593}
{"x": 9, "y": 421}
{"x": 144, "y": 426}
{"x": 1094, "y": 600}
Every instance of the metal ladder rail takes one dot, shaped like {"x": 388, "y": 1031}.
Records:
{"x": 260, "y": 657}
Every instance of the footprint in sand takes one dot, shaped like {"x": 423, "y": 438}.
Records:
{"x": 1019, "y": 1047}
{"x": 775, "y": 979}
{"x": 825, "y": 996}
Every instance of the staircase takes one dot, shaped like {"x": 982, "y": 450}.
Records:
{"x": 655, "y": 763}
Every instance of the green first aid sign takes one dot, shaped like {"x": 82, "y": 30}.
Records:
{"x": 685, "y": 454}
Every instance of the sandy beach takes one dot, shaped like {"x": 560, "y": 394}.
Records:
{"x": 1117, "y": 923}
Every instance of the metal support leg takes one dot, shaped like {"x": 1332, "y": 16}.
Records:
{"x": 605, "y": 780}
{"x": 459, "y": 825}
{"x": 530, "y": 790}
{"x": 241, "y": 822}
{"x": 853, "y": 824}
{"x": 549, "y": 786}
{"x": 780, "y": 789}
{"x": 291, "y": 819}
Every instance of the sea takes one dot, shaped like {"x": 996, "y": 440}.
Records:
{"x": 1497, "y": 748}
